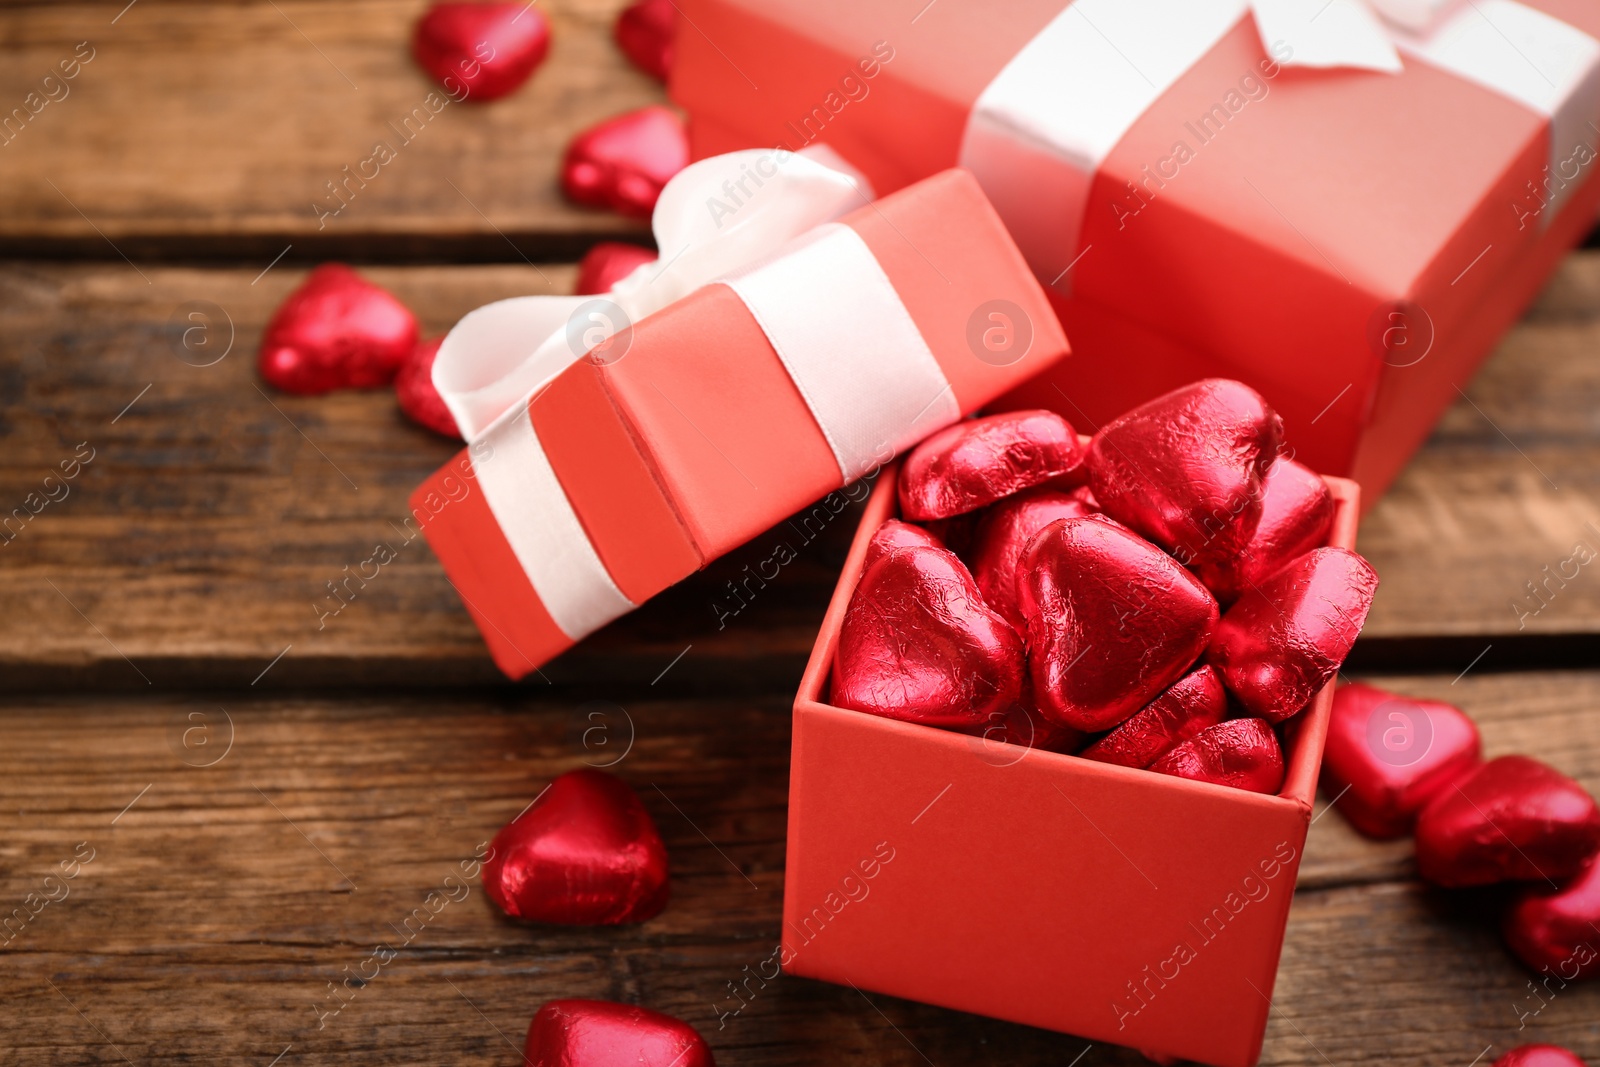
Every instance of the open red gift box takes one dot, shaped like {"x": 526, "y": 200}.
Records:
{"x": 1120, "y": 905}
{"x": 1352, "y": 243}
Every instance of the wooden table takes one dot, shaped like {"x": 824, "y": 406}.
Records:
{"x": 267, "y": 794}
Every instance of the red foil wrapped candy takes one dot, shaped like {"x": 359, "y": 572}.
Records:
{"x": 895, "y": 534}
{"x": 1242, "y": 753}
{"x": 420, "y": 401}
{"x": 336, "y": 331}
{"x": 919, "y": 644}
{"x": 1557, "y": 931}
{"x": 1024, "y": 726}
{"x": 622, "y": 163}
{"x": 976, "y": 462}
{"x": 607, "y": 263}
{"x": 1285, "y": 638}
{"x": 1513, "y": 819}
{"x": 584, "y": 853}
{"x": 600, "y": 1033}
{"x": 1296, "y": 516}
{"x": 1186, "y": 468}
{"x": 1539, "y": 1056}
{"x": 1112, "y": 621}
{"x": 644, "y": 32}
{"x": 1003, "y": 535}
{"x": 1388, "y": 755}
{"x": 1195, "y": 702}
{"x": 491, "y": 49}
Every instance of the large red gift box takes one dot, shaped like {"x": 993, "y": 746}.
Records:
{"x": 1117, "y": 904}
{"x": 1350, "y": 242}
{"x": 692, "y": 432}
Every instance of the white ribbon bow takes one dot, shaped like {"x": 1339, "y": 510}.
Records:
{"x": 714, "y": 217}
{"x": 1345, "y": 33}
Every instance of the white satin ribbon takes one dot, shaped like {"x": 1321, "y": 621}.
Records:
{"x": 542, "y": 529}
{"x": 1040, "y": 131}
{"x": 861, "y": 365}
{"x": 1053, "y": 114}
{"x": 761, "y": 223}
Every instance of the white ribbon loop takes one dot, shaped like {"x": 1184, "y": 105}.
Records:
{"x": 713, "y": 217}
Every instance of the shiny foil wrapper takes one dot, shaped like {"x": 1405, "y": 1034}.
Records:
{"x": 421, "y": 402}
{"x": 1552, "y": 930}
{"x": 1296, "y": 516}
{"x": 1388, "y": 755}
{"x": 1539, "y": 1056}
{"x": 1513, "y": 819}
{"x": 1194, "y": 703}
{"x": 1112, "y": 621}
{"x": 1241, "y": 753}
{"x": 645, "y": 32}
{"x": 974, "y": 463}
{"x": 599, "y": 1033}
{"x": 919, "y": 644}
{"x": 336, "y": 331}
{"x": 896, "y": 534}
{"x": 1002, "y": 537}
{"x": 607, "y": 263}
{"x": 1185, "y": 469}
{"x": 482, "y": 50}
{"x": 1284, "y": 639}
{"x": 585, "y": 853}
{"x": 622, "y": 163}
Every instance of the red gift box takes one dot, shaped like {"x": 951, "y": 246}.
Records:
{"x": 1351, "y": 243}
{"x": 1117, "y": 904}
{"x": 693, "y": 431}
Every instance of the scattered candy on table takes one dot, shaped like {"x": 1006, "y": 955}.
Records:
{"x": 585, "y": 853}
{"x": 1512, "y": 819}
{"x": 600, "y": 1033}
{"x": 481, "y": 51}
{"x": 644, "y": 31}
{"x": 1539, "y": 1056}
{"x": 336, "y": 331}
{"x": 419, "y": 400}
{"x": 622, "y": 163}
{"x": 1388, "y": 755}
{"x": 1553, "y": 929}
{"x": 607, "y": 263}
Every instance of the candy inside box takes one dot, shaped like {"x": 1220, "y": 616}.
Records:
{"x": 1116, "y": 904}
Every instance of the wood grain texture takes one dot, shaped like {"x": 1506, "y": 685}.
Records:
{"x": 199, "y": 542}
{"x": 231, "y": 883}
{"x": 227, "y": 121}
{"x": 1508, "y": 485}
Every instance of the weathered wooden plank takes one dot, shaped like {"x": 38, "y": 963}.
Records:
{"x": 198, "y": 542}
{"x": 1508, "y": 486}
{"x": 229, "y": 885}
{"x": 227, "y": 122}
{"x": 200, "y": 539}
